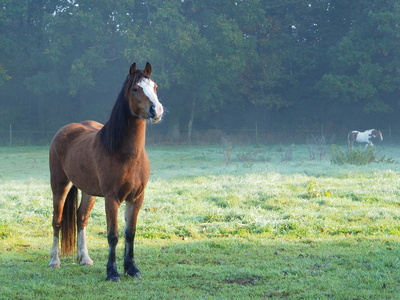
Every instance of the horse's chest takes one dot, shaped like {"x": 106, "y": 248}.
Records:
{"x": 127, "y": 181}
{"x": 130, "y": 190}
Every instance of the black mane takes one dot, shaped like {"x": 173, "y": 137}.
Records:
{"x": 113, "y": 132}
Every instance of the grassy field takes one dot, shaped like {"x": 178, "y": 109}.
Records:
{"x": 218, "y": 223}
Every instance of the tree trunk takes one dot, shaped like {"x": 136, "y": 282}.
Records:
{"x": 174, "y": 128}
{"x": 190, "y": 124}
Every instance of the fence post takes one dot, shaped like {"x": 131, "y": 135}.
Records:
{"x": 256, "y": 133}
{"x": 11, "y": 138}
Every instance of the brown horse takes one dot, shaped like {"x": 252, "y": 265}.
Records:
{"x": 108, "y": 161}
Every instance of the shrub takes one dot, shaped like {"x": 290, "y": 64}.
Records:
{"x": 247, "y": 158}
{"x": 312, "y": 190}
{"x": 357, "y": 156}
{"x": 288, "y": 154}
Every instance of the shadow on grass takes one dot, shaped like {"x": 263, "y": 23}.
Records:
{"x": 224, "y": 268}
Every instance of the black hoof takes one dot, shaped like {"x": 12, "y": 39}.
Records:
{"x": 137, "y": 274}
{"x": 133, "y": 271}
{"x": 112, "y": 273}
{"x": 114, "y": 277}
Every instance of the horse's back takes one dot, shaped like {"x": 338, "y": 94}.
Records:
{"x": 73, "y": 139}
{"x": 71, "y": 153}
{"x": 68, "y": 135}
{"x": 92, "y": 125}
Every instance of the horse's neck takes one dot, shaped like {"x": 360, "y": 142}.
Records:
{"x": 135, "y": 137}
{"x": 126, "y": 139}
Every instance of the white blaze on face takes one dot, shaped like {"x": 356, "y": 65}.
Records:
{"x": 148, "y": 88}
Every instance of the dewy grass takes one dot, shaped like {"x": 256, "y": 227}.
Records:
{"x": 298, "y": 229}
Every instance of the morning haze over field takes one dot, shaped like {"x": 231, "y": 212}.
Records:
{"x": 259, "y": 186}
{"x": 284, "y": 69}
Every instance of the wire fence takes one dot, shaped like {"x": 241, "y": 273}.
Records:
{"x": 208, "y": 137}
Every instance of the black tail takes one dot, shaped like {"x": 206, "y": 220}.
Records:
{"x": 68, "y": 224}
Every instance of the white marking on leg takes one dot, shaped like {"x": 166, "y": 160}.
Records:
{"x": 54, "y": 257}
{"x": 83, "y": 253}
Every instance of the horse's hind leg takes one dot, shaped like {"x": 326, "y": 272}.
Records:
{"x": 60, "y": 192}
{"x": 85, "y": 207}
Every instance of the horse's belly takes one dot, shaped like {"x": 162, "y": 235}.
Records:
{"x": 84, "y": 179}
{"x": 80, "y": 170}
{"x": 88, "y": 185}
{"x": 362, "y": 137}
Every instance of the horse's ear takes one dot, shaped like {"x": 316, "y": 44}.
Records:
{"x": 147, "y": 69}
{"x": 132, "y": 70}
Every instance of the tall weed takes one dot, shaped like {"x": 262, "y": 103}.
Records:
{"x": 317, "y": 147}
{"x": 227, "y": 150}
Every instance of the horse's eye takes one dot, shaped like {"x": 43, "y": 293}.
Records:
{"x": 134, "y": 90}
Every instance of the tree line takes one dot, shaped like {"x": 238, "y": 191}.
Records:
{"x": 219, "y": 64}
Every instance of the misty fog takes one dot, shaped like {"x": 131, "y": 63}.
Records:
{"x": 253, "y": 71}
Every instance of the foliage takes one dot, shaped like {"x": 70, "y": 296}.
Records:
{"x": 294, "y": 63}
{"x": 312, "y": 189}
{"x": 362, "y": 62}
{"x": 3, "y": 75}
{"x": 357, "y": 156}
{"x": 248, "y": 158}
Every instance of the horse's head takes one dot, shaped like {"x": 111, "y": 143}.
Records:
{"x": 141, "y": 94}
{"x": 377, "y": 134}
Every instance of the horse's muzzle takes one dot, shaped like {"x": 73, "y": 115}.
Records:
{"x": 152, "y": 111}
{"x": 155, "y": 113}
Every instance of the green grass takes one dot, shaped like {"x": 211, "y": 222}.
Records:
{"x": 257, "y": 227}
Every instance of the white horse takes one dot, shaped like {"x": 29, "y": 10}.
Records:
{"x": 365, "y": 137}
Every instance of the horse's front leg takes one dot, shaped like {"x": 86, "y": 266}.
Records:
{"x": 112, "y": 206}
{"x": 369, "y": 144}
{"x": 131, "y": 214}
